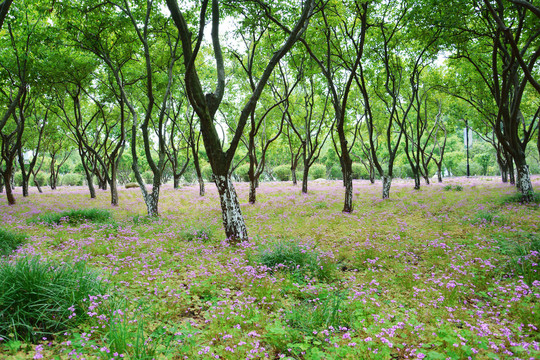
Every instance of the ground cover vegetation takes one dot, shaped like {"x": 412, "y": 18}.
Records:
{"x": 426, "y": 274}
{"x": 350, "y": 97}
{"x": 143, "y": 92}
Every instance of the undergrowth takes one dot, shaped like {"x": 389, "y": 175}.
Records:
{"x": 39, "y": 298}
{"x": 74, "y": 217}
{"x": 10, "y": 240}
{"x": 298, "y": 260}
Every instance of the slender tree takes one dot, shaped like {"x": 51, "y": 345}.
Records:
{"x": 207, "y": 105}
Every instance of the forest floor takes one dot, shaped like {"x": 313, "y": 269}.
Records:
{"x": 444, "y": 272}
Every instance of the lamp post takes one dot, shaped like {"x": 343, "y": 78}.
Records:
{"x": 467, "y": 146}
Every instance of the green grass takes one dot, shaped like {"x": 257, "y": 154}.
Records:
{"x": 296, "y": 259}
{"x": 201, "y": 234}
{"x": 409, "y": 270}
{"x": 517, "y": 198}
{"x": 40, "y": 298}
{"x": 488, "y": 217}
{"x": 74, "y": 217}
{"x": 322, "y": 313}
{"x": 523, "y": 256}
{"x": 10, "y": 240}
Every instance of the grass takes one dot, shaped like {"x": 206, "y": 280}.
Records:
{"x": 320, "y": 314}
{"x": 433, "y": 274}
{"x": 74, "y": 217}
{"x": 517, "y": 198}
{"x": 10, "y": 240}
{"x": 39, "y": 298}
{"x": 296, "y": 259}
{"x": 523, "y": 254}
{"x": 201, "y": 234}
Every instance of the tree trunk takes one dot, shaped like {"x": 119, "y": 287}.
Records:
{"x": 387, "y": 182}
{"x": 199, "y": 173}
{"x": 1, "y": 183}
{"x": 201, "y": 185}
{"x": 152, "y": 201}
{"x": 504, "y": 174}
{"x": 347, "y": 177}
{"x": 9, "y": 188}
{"x": 510, "y": 167}
{"x": 90, "y": 182}
{"x": 252, "y": 191}
{"x": 371, "y": 173}
{"x": 37, "y": 185}
{"x": 525, "y": 184}
{"x": 439, "y": 173}
{"x": 233, "y": 221}
{"x": 293, "y": 176}
{"x": 176, "y": 182}
{"x": 52, "y": 180}
{"x": 114, "y": 188}
{"x": 305, "y": 179}
{"x": 25, "y": 186}
{"x": 416, "y": 176}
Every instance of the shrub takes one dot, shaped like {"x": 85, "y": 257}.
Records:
{"x": 447, "y": 187}
{"x": 336, "y": 173}
{"x": 294, "y": 258}
{"x": 282, "y": 172}
{"x": 41, "y": 179}
{"x": 318, "y": 171}
{"x": 10, "y": 240}
{"x": 74, "y": 217}
{"x": 242, "y": 172}
{"x": 458, "y": 188}
{"x": 189, "y": 176}
{"x": 148, "y": 177}
{"x": 17, "y": 178}
{"x": 72, "y": 180}
{"x": 207, "y": 173}
{"x": 40, "y": 298}
{"x": 359, "y": 171}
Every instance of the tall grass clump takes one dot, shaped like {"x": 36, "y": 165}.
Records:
{"x": 523, "y": 256}
{"x": 328, "y": 311}
{"x": 488, "y": 217}
{"x": 517, "y": 198}
{"x": 39, "y": 298}
{"x": 294, "y": 258}
{"x": 198, "y": 235}
{"x": 10, "y": 240}
{"x": 75, "y": 217}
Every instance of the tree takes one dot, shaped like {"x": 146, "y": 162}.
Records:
{"x": 4, "y": 8}
{"x": 310, "y": 124}
{"x": 32, "y": 141}
{"x": 262, "y": 126}
{"x": 207, "y": 105}
{"x": 505, "y": 56}
{"x": 341, "y": 50}
{"x": 16, "y": 64}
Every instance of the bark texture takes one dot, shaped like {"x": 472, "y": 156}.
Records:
{"x": 233, "y": 221}
{"x": 387, "y": 182}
